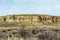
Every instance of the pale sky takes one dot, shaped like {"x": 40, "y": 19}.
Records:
{"x": 48, "y": 7}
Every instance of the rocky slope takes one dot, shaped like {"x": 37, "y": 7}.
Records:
{"x": 29, "y": 20}
{"x": 29, "y": 27}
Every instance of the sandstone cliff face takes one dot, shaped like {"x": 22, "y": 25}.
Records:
{"x": 30, "y": 18}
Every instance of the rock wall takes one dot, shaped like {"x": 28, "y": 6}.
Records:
{"x": 30, "y": 18}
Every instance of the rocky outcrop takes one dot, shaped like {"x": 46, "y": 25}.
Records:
{"x": 30, "y": 18}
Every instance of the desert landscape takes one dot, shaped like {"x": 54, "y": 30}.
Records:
{"x": 29, "y": 27}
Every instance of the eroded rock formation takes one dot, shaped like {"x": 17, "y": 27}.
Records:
{"x": 30, "y": 18}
